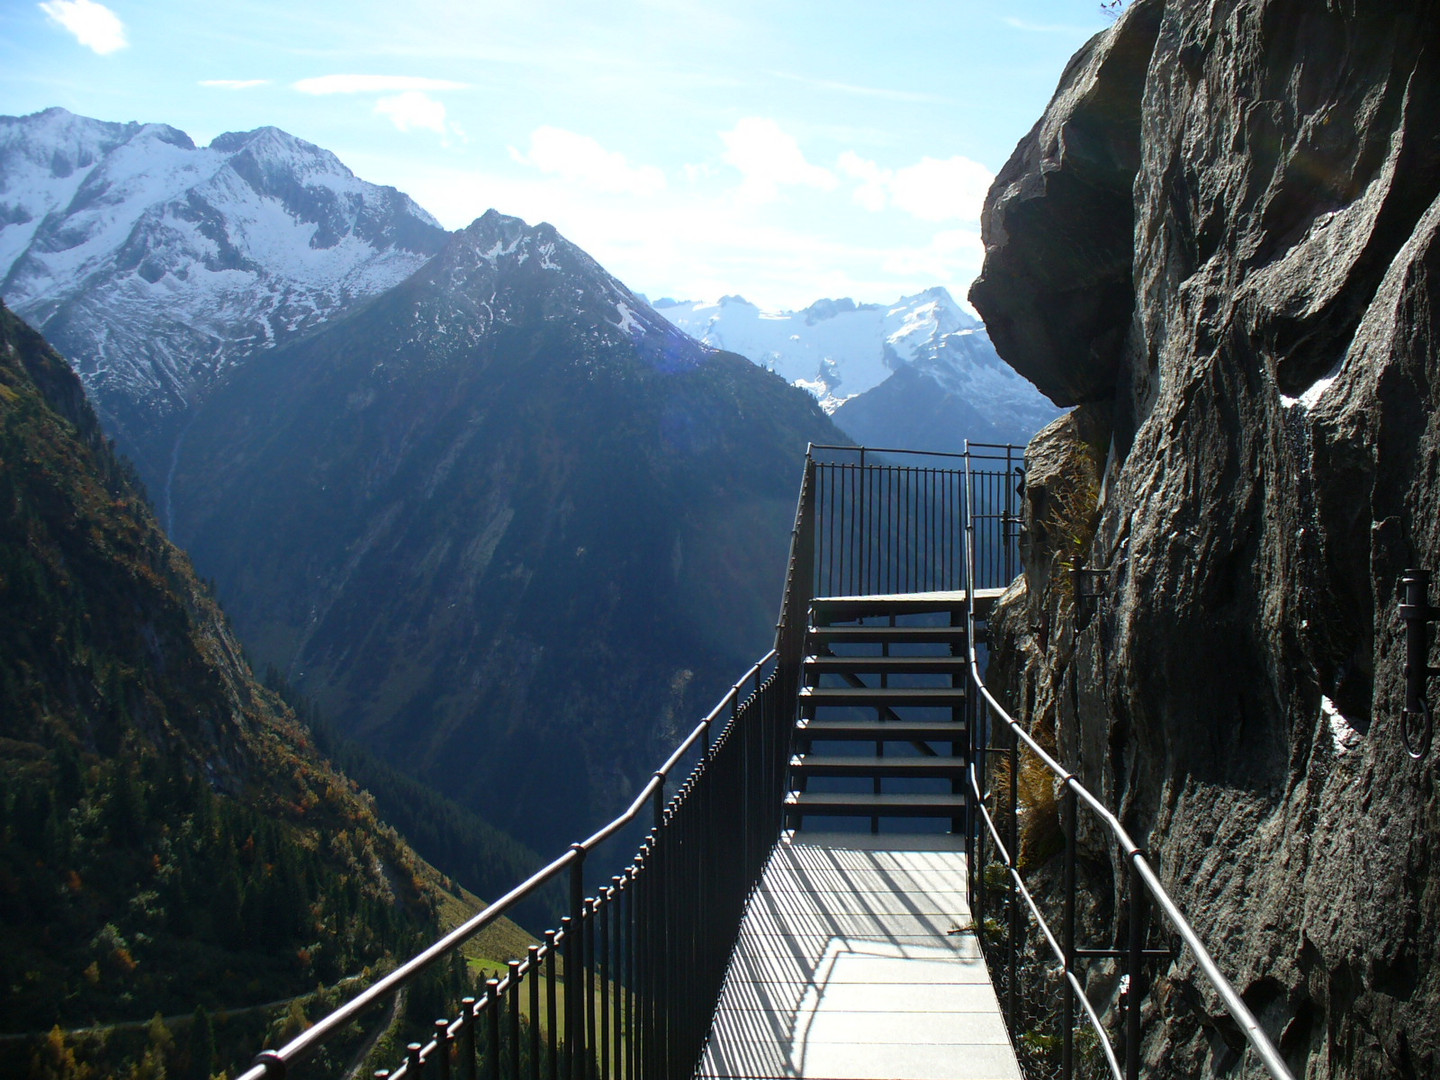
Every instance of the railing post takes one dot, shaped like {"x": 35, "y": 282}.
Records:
{"x": 442, "y": 1049}
{"x": 1135, "y": 969}
{"x": 1067, "y": 1046}
{"x": 800, "y": 582}
{"x": 467, "y": 1039}
{"x": 1013, "y": 952}
{"x": 574, "y": 968}
{"x": 533, "y": 960}
{"x": 492, "y": 1028}
{"x": 552, "y": 1033}
{"x": 1009, "y": 521}
{"x": 512, "y": 994}
{"x": 588, "y": 938}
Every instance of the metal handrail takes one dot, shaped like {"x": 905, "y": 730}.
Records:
{"x": 968, "y": 453}
{"x": 1134, "y": 854}
{"x": 275, "y": 1063}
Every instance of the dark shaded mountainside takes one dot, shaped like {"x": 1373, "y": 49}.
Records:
{"x": 1222, "y": 242}
{"x": 913, "y": 411}
{"x": 504, "y": 523}
{"x": 169, "y": 837}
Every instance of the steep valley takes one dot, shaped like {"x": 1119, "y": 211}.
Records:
{"x": 171, "y": 842}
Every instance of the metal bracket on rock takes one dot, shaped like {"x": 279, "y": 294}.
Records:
{"x": 1416, "y": 723}
{"x": 1089, "y": 584}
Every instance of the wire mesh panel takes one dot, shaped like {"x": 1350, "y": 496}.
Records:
{"x": 887, "y": 529}
{"x": 890, "y": 521}
{"x": 997, "y": 477}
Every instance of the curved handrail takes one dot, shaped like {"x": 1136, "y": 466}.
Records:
{"x": 1234, "y": 1004}
{"x": 277, "y": 1062}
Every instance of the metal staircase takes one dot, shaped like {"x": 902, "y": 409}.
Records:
{"x": 883, "y": 726}
{"x": 882, "y": 740}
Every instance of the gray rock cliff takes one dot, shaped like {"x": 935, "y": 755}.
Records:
{"x": 1224, "y": 238}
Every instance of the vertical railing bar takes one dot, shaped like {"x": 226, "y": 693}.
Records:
{"x": 589, "y": 939}
{"x": 575, "y": 1004}
{"x": 1011, "y": 861}
{"x": 1067, "y": 1021}
{"x": 630, "y": 953}
{"x": 602, "y": 960}
{"x": 492, "y": 1029}
{"x": 532, "y": 964}
{"x": 467, "y": 1039}
{"x": 1134, "y": 964}
{"x": 552, "y": 1012}
{"x": 442, "y": 1049}
{"x": 512, "y": 1006}
{"x": 569, "y": 1044}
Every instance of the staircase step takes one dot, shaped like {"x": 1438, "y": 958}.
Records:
{"x": 861, "y": 805}
{"x": 876, "y": 696}
{"x": 834, "y": 635}
{"x": 886, "y": 665}
{"x": 847, "y": 765}
{"x": 883, "y": 731}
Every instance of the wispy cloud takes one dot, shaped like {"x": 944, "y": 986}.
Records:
{"x": 94, "y": 25}
{"x": 234, "y": 84}
{"x": 582, "y": 159}
{"x": 1068, "y": 29}
{"x": 413, "y": 109}
{"x": 768, "y": 158}
{"x": 952, "y": 189}
{"x": 882, "y": 93}
{"x": 374, "y": 84}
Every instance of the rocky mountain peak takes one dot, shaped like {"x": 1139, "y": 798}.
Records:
{"x": 502, "y": 269}
{"x": 843, "y": 352}
{"x": 155, "y": 266}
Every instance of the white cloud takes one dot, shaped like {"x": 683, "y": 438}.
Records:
{"x": 768, "y": 157}
{"x": 580, "y": 159}
{"x": 952, "y": 189}
{"x": 374, "y": 84}
{"x": 871, "y": 192}
{"x": 94, "y": 25}
{"x": 412, "y": 110}
{"x": 935, "y": 190}
{"x": 952, "y": 255}
{"x": 234, "y": 84}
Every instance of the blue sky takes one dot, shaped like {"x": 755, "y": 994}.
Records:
{"x": 781, "y": 150}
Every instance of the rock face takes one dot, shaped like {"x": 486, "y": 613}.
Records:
{"x": 1224, "y": 235}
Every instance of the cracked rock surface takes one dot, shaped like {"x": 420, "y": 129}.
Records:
{"x": 1224, "y": 237}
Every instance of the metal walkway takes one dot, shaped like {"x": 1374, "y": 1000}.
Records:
{"x": 829, "y": 954}
{"x": 856, "y": 960}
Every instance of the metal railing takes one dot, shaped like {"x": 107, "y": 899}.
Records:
{"x": 627, "y": 984}
{"x": 1143, "y": 888}
{"x": 892, "y": 521}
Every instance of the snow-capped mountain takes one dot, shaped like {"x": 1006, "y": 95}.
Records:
{"x": 844, "y": 352}
{"x": 502, "y": 510}
{"x": 154, "y": 264}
